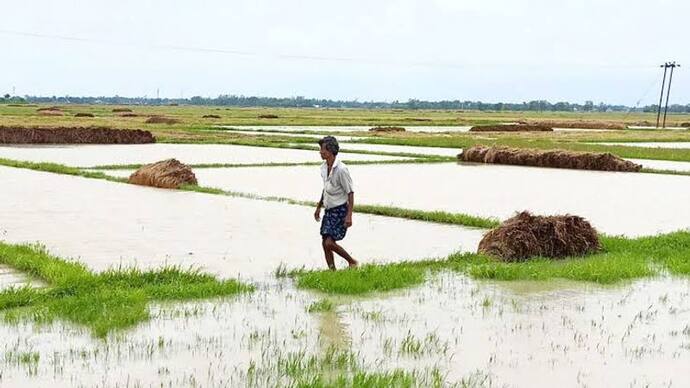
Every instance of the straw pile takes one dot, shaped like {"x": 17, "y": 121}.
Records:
{"x": 268, "y": 116}
{"x": 166, "y": 174}
{"x": 49, "y": 108}
{"x": 120, "y": 110}
{"x": 51, "y": 113}
{"x": 83, "y": 114}
{"x": 210, "y": 117}
{"x": 387, "y": 129}
{"x": 548, "y": 158}
{"x": 511, "y": 128}
{"x": 127, "y": 114}
{"x": 73, "y": 135}
{"x": 685, "y": 125}
{"x": 161, "y": 120}
{"x": 585, "y": 124}
{"x": 417, "y": 119}
{"x": 526, "y": 235}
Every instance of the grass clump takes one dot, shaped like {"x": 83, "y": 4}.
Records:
{"x": 620, "y": 259}
{"x": 103, "y": 302}
{"x": 321, "y": 306}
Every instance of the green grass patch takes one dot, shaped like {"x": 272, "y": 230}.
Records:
{"x": 102, "y": 302}
{"x": 321, "y": 306}
{"x": 621, "y": 259}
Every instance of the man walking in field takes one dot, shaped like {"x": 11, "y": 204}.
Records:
{"x": 338, "y": 198}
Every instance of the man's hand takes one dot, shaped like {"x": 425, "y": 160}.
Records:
{"x": 317, "y": 214}
{"x": 348, "y": 220}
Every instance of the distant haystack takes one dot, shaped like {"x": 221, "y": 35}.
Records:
{"x": 268, "y": 116}
{"x": 121, "y": 110}
{"x": 511, "y": 128}
{"x": 548, "y": 158}
{"x": 525, "y": 235}
{"x": 584, "y": 124}
{"x": 387, "y": 129}
{"x": 73, "y": 135}
{"x": 82, "y": 114}
{"x": 167, "y": 174}
{"x": 210, "y": 117}
{"x": 161, "y": 120}
{"x": 51, "y": 113}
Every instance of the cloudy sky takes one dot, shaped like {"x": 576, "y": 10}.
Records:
{"x": 491, "y": 50}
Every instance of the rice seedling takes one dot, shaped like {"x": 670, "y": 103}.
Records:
{"x": 112, "y": 300}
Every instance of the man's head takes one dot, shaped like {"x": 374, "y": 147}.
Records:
{"x": 329, "y": 146}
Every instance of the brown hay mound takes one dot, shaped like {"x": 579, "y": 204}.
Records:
{"x": 22, "y": 105}
{"x": 268, "y": 116}
{"x": 73, "y": 135}
{"x": 548, "y": 158}
{"x": 167, "y": 174}
{"x": 210, "y": 117}
{"x": 127, "y": 114}
{"x": 49, "y": 108}
{"x": 84, "y": 115}
{"x": 417, "y": 119}
{"x": 51, "y": 113}
{"x": 526, "y": 235}
{"x": 511, "y": 128}
{"x": 584, "y": 124}
{"x": 161, "y": 120}
{"x": 387, "y": 129}
{"x": 119, "y": 110}
{"x": 685, "y": 125}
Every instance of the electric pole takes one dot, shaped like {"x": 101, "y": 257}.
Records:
{"x": 673, "y": 65}
{"x": 666, "y": 66}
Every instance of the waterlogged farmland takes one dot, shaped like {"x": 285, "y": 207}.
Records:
{"x": 222, "y": 284}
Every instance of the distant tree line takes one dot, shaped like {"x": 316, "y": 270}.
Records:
{"x": 301, "y": 102}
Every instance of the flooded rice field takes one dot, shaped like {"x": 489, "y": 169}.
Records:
{"x": 616, "y": 203}
{"x": 663, "y": 164}
{"x": 98, "y": 155}
{"x": 106, "y": 224}
{"x": 362, "y": 128}
{"x": 450, "y": 330}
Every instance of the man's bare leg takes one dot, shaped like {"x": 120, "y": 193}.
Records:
{"x": 328, "y": 252}
{"x": 334, "y": 247}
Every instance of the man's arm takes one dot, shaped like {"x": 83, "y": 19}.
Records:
{"x": 317, "y": 212}
{"x": 350, "y": 206}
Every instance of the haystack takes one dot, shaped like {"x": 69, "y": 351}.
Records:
{"x": 49, "y": 108}
{"x": 210, "y": 117}
{"x": 685, "y": 125}
{"x": 73, "y": 135}
{"x": 161, "y": 120}
{"x": 511, "y": 128}
{"x": 81, "y": 114}
{"x": 585, "y": 124}
{"x": 127, "y": 114}
{"x": 167, "y": 174}
{"x": 548, "y": 158}
{"x": 417, "y": 119}
{"x": 387, "y": 129}
{"x": 526, "y": 235}
{"x": 268, "y": 116}
{"x": 51, "y": 113}
{"x": 120, "y": 110}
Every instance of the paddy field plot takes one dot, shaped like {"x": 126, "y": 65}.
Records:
{"x": 630, "y": 204}
{"x": 106, "y": 224}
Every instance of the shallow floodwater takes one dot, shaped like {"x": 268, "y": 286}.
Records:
{"x": 11, "y": 278}
{"x": 97, "y": 155}
{"x": 650, "y": 144}
{"x": 631, "y": 204}
{"x": 347, "y": 128}
{"x": 106, "y": 224}
{"x": 477, "y": 332}
{"x": 662, "y": 164}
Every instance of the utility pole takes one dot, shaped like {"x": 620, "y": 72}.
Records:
{"x": 661, "y": 95}
{"x": 666, "y": 66}
{"x": 673, "y": 65}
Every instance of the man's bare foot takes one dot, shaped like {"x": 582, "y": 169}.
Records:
{"x": 353, "y": 264}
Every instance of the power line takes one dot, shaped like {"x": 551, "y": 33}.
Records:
{"x": 666, "y": 66}
{"x": 289, "y": 56}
